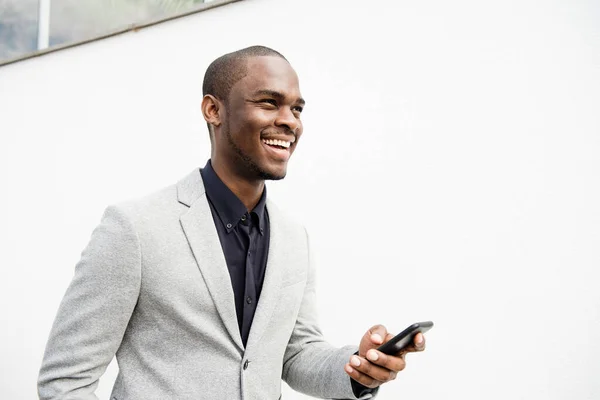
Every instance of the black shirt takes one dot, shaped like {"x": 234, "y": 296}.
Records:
{"x": 244, "y": 239}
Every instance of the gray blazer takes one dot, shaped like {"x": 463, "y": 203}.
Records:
{"x": 153, "y": 288}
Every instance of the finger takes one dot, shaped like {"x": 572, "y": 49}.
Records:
{"x": 377, "y": 333}
{"x": 418, "y": 344}
{"x": 419, "y": 341}
{"x": 389, "y": 362}
{"x": 375, "y": 371}
{"x": 361, "y": 378}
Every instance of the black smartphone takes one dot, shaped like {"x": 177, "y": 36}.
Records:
{"x": 404, "y": 338}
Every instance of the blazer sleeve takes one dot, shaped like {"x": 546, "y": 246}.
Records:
{"x": 311, "y": 365}
{"x": 94, "y": 312}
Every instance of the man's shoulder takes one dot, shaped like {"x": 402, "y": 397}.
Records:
{"x": 164, "y": 201}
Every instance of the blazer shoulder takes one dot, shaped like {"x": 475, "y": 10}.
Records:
{"x": 167, "y": 202}
{"x": 148, "y": 204}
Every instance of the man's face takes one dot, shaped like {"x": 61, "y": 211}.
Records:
{"x": 261, "y": 126}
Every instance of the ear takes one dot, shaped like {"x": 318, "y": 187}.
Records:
{"x": 211, "y": 109}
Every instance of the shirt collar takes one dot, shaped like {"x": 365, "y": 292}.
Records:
{"x": 229, "y": 207}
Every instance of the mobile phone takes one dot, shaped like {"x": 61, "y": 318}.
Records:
{"x": 405, "y": 337}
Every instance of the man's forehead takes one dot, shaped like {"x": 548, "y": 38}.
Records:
{"x": 270, "y": 70}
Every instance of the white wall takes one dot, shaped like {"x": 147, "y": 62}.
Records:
{"x": 449, "y": 170}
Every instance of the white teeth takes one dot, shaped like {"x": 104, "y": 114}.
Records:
{"x": 275, "y": 142}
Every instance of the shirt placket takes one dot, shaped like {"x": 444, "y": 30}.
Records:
{"x": 250, "y": 299}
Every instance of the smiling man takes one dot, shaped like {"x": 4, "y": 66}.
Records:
{"x": 205, "y": 290}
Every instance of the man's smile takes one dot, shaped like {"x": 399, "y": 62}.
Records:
{"x": 278, "y": 148}
{"x": 278, "y": 142}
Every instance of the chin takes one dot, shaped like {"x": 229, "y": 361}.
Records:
{"x": 272, "y": 173}
{"x": 272, "y": 176}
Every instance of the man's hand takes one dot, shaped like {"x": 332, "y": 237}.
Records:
{"x": 370, "y": 367}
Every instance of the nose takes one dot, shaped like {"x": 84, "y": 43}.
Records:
{"x": 286, "y": 118}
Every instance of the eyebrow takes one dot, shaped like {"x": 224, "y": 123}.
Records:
{"x": 277, "y": 95}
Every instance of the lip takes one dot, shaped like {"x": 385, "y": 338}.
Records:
{"x": 277, "y": 153}
{"x": 286, "y": 138}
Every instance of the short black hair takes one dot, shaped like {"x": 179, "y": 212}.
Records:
{"x": 226, "y": 70}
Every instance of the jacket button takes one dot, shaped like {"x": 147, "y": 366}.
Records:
{"x": 246, "y": 364}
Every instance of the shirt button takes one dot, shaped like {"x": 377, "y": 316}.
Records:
{"x": 249, "y": 300}
{"x": 229, "y": 226}
{"x": 246, "y": 364}
{"x": 244, "y": 217}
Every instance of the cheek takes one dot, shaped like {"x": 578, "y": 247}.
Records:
{"x": 248, "y": 137}
{"x": 252, "y": 127}
{"x": 243, "y": 129}
{"x": 246, "y": 127}
{"x": 253, "y": 120}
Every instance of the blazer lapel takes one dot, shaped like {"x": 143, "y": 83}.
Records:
{"x": 269, "y": 296}
{"x": 202, "y": 236}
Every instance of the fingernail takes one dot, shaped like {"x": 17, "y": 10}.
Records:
{"x": 355, "y": 361}
{"x": 419, "y": 339}
{"x": 376, "y": 338}
{"x": 372, "y": 355}
{"x": 349, "y": 369}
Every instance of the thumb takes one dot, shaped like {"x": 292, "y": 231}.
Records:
{"x": 377, "y": 334}
{"x": 372, "y": 339}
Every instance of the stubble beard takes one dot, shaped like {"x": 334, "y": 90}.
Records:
{"x": 248, "y": 163}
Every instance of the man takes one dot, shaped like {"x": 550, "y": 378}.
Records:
{"x": 204, "y": 289}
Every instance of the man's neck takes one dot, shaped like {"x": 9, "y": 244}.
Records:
{"x": 249, "y": 192}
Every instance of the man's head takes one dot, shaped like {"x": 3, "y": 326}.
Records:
{"x": 252, "y": 105}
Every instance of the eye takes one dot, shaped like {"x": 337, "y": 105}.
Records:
{"x": 298, "y": 109}
{"x": 272, "y": 102}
